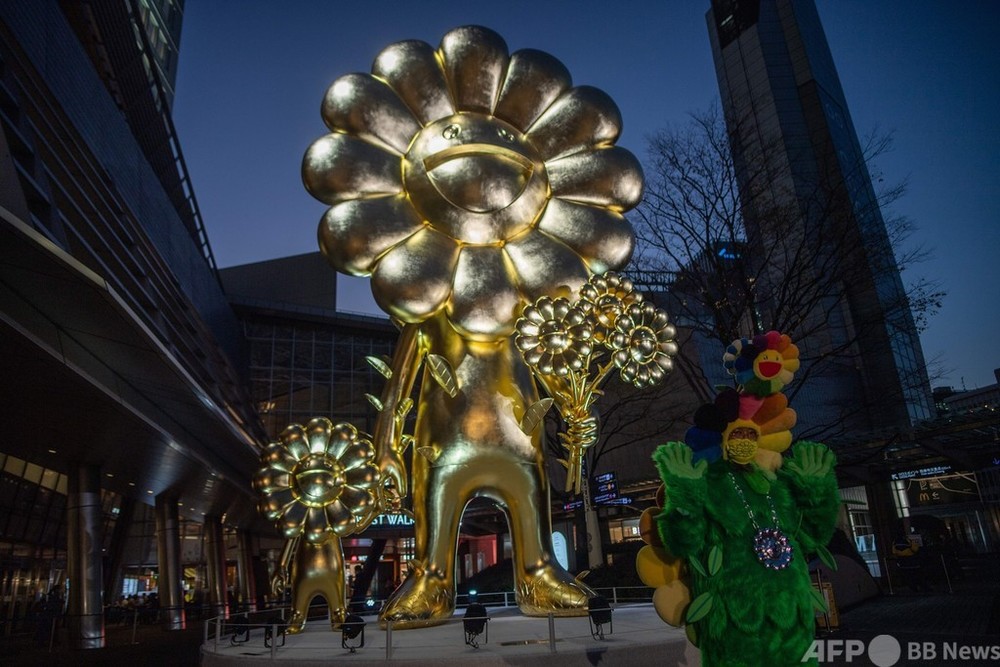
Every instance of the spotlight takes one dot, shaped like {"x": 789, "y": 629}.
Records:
{"x": 240, "y": 626}
{"x": 352, "y": 627}
{"x": 600, "y": 615}
{"x": 475, "y": 622}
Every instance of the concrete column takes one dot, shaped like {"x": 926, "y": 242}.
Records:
{"x": 215, "y": 555}
{"x": 116, "y": 555}
{"x": 168, "y": 557}
{"x": 248, "y": 585}
{"x": 83, "y": 558}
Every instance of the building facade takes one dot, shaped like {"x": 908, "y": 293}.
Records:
{"x": 123, "y": 395}
{"x": 805, "y": 189}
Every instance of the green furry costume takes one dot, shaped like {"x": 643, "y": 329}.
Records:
{"x": 759, "y": 616}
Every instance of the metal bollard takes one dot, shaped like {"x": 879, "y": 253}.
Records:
{"x": 218, "y": 631}
{"x": 552, "y": 633}
{"x": 614, "y": 595}
{"x": 274, "y": 640}
{"x": 946, "y": 576}
{"x": 135, "y": 622}
{"x": 388, "y": 640}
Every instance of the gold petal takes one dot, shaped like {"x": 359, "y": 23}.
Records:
{"x": 318, "y": 434}
{"x": 278, "y": 457}
{"x": 602, "y": 237}
{"x": 608, "y": 177}
{"x": 362, "y": 105}
{"x": 358, "y": 501}
{"x": 294, "y": 440}
{"x": 355, "y": 233}
{"x": 534, "y": 80}
{"x": 362, "y": 477}
{"x": 341, "y": 519}
{"x": 343, "y": 437}
{"x": 411, "y": 69}
{"x": 412, "y": 281}
{"x": 582, "y": 118}
{"x": 361, "y": 453}
{"x": 338, "y": 167}
{"x": 474, "y": 60}
{"x": 294, "y": 518}
{"x": 546, "y": 267}
{"x": 485, "y": 302}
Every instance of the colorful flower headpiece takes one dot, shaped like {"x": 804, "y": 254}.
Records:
{"x": 762, "y": 365}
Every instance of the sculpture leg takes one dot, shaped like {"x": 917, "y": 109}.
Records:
{"x": 541, "y": 584}
{"x": 427, "y": 597}
{"x": 318, "y": 569}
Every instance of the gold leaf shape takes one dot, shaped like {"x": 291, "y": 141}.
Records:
{"x": 534, "y": 415}
{"x": 564, "y": 462}
{"x": 428, "y": 453}
{"x": 378, "y": 364}
{"x": 404, "y": 407}
{"x": 374, "y": 401}
{"x": 442, "y": 371}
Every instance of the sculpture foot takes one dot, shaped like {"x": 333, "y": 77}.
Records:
{"x": 297, "y": 623}
{"x": 337, "y": 618}
{"x": 552, "y": 590}
{"x": 422, "y": 601}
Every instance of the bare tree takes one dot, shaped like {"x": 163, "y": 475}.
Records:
{"x": 778, "y": 242}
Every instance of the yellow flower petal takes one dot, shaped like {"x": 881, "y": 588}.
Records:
{"x": 362, "y": 477}
{"x": 411, "y": 69}
{"x": 362, "y": 105}
{"x": 294, "y": 439}
{"x": 474, "y": 61}
{"x": 603, "y": 238}
{"x": 355, "y": 233}
{"x": 608, "y": 177}
{"x": 485, "y": 301}
{"x": 582, "y": 118}
{"x": 318, "y": 434}
{"x": 412, "y": 281}
{"x": 545, "y": 266}
{"x": 534, "y": 80}
{"x": 338, "y": 167}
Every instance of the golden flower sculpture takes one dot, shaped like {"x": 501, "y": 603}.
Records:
{"x": 469, "y": 180}
{"x": 319, "y": 481}
{"x": 562, "y": 342}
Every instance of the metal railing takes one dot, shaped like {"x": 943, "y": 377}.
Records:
{"x": 221, "y": 632}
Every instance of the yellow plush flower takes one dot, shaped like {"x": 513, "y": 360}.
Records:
{"x": 470, "y": 180}
{"x": 319, "y": 481}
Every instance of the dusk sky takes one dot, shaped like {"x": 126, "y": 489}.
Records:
{"x": 253, "y": 74}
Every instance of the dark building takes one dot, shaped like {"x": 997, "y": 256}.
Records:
{"x": 804, "y": 183}
{"x": 123, "y": 394}
{"x": 804, "y": 186}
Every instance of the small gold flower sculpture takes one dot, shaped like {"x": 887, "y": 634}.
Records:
{"x": 562, "y": 342}
{"x": 319, "y": 481}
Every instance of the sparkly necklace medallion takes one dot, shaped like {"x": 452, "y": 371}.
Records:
{"x": 770, "y": 545}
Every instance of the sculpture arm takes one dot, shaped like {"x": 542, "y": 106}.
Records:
{"x": 280, "y": 577}
{"x": 388, "y": 436}
{"x": 811, "y": 479}
{"x": 682, "y": 524}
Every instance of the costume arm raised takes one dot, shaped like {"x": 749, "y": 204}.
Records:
{"x": 812, "y": 481}
{"x": 682, "y": 524}
{"x": 388, "y": 436}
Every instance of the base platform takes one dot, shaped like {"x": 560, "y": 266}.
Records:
{"x": 637, "y": 636}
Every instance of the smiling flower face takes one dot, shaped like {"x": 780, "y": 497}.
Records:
{"x": 319, "y": 481}
{"x": 764, "y": 364}
{"x": 469, "y": 180}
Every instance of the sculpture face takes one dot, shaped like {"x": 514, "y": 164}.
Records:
{"x": 475, "y": 179}
{"x": 471, "y": 181}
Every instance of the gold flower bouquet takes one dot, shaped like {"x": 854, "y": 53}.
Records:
{"x": 563, "y": 342}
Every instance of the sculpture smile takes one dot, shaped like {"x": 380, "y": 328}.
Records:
{"x": 479, "y": 177}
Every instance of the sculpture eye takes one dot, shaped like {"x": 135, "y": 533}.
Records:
{"x": 505, "y": 135}
{"x": 451, "y": 132}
